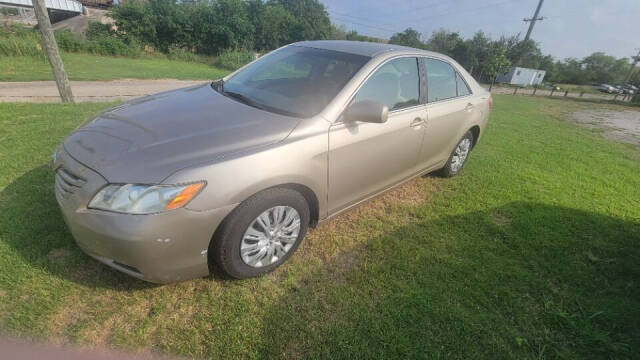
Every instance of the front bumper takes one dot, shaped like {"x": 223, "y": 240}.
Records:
{"x": 160, "y": 248}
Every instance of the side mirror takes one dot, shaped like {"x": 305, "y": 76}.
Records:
{"x": 366, "y": 111}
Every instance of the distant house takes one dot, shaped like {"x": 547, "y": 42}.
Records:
{"x": 522, "y": 76}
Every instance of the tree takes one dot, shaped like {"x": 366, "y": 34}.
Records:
{"x": 444, "y": 42}
{"x": 480, "y": 44}
{"x": 311, "y": 21}
{"x": 497, "y": 62}
{"x": 409, "y": 37}
{"x": 599, "y": 67}
{"x": 354, "y": 36}
{"x": 464, "y": 54}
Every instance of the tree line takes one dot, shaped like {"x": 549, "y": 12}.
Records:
{"x": 484, "y": 57}
{"x": 210, "y": 27}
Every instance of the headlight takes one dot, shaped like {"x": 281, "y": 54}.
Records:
{"x": 144, "y": 199}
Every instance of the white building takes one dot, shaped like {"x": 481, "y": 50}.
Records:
{"x": 522, "y": 76}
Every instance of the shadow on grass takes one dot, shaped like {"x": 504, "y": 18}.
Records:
{"x": 520, "y": 281}
{"x": 32, "y": 225}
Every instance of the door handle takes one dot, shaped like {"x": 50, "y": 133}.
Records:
{"x": 417, "y": 122}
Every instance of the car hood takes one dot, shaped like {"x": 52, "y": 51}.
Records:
{"x": 146, "y": 140}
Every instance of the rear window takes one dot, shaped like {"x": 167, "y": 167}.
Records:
{"x": 463, "y": 88}
{"x": 441, "y": 80}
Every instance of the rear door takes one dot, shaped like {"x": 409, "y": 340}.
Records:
{"x": 365, "y": 158}
{"x": 450, "y": 104}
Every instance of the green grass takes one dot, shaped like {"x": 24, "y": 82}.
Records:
{"x": 579, "y": 88}
{"x": 96, "y": 67}
{"x": 533, "y": 252}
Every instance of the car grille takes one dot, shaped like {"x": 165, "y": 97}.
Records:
{"x": 67, "y": 182}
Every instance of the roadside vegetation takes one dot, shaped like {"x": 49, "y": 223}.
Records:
{"x": 96, "y": 67}
{"x": 228, "y": 33}
{"x": 531, "y": 253}
{"x": 102, "y": 56}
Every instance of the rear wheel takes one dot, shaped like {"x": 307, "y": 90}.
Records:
{"x": 261, "y": 233}
{"x": 459, "y": 156}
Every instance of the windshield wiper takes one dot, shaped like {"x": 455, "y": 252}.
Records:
{"x": 243, "y": 98}
{"x": 218, "y": 85}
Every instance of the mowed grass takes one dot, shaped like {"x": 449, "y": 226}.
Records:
{"x": 533, "y": 252}
{"x": 94, "y": 67}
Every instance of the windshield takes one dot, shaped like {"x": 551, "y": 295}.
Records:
{"x": 296, "y": 81}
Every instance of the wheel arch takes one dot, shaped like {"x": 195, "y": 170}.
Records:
{"x": 308, "y": 194}
{"x": 475, "y": 130}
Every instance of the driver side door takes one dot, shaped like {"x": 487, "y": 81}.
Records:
{"x": 366, "y": 158}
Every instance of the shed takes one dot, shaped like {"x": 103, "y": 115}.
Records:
{"x": 522, "y": 76}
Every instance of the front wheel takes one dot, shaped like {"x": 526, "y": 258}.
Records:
{"x": 459, "y": 156}
{"x": 261, "y": 233}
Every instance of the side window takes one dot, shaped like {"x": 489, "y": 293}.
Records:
{"x": 463, "y": 88}
{"x": 441, "y": 80}
{"x": 395, "y": 84}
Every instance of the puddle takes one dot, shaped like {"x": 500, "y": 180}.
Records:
{"x": 617, "y": 125}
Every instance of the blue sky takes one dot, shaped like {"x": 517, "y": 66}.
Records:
{"x": 571, "y": 28}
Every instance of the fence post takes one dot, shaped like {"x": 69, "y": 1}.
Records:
{"x": 515, "y": 90}
{"x": 552, "y": 90}
{"x": 535, "y": 88}
{"x": 581, "y": 93}
{"x": 566, "y": 92}
{"x": 615, "y": 97}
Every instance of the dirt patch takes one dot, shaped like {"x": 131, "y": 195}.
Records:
{"x": 621, "y": 126}
{"x": 500, "y": 219}
{"x": 58, "y": 255}
{"x": 334, "y": 241}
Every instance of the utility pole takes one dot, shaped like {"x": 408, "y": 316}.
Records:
{"x": 51, "y": 48}
{"x": 533, "y": 20}
{"x": 633, "y": 66}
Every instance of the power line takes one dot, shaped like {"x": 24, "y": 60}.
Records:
{"x": 357, "y": 17}
{"x": 455, "y": 12}
{"x": 392, "y": 31}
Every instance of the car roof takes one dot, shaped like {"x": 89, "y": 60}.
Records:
{"x": 371, "y": 49}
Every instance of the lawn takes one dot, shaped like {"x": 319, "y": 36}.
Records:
{"x": 94, "y": 67}
{"x": 533, "y": 252}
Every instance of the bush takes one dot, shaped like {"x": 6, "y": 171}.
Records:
{"x": 100, "y": 41}
{"x": 175, "y": 53}
{"x": 68, "y": 41}
{"x": 233, "y": 59}
{"x": 20, "y": 41}
{"x": 96, "y": 31}
{"x": 112, "y": 46}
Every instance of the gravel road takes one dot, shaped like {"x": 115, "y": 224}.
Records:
{"x": 46, "y": 91}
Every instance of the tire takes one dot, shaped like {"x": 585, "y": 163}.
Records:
{"x": 225, "y": 247}
{"x": 451, "y": 168}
